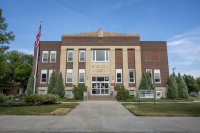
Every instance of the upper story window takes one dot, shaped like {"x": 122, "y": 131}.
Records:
{"x": 81, "y": 75}
{"x": 69, "y": 75}
{"x": 43, "y": 78}
{"x": 45, "y": 56}
{"x": 149, "y": 71}
{"x": 100, "y": 55}
{"x": 53, "y": 56}
{"x": 157, "y": 76}
{"x": 82, "y": 55}
{"x": 118, "y": 75}
{"x": 131, "y": 73}
{"x": 70, "y": 55}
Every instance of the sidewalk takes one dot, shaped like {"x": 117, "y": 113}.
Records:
{"x": 98, "y": 116}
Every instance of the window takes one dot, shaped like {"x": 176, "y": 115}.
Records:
{"x": 131, "y": 93}
{"x": 81, "y": 75}
{"x": 157, "y": 76}
{"x": 158, "y": 94}
{"x": 43, "y": 76}
{"x": 68, "y": 94}
{"x": 70, "y": 55}
{"x": 42, "y": 92}
{"x": 45, "y": 56}
{"x": 50, "y": 72}
{"x": 100, "y": 55}
{"x": 118, "y": 75}
{"x": 131, "y": 73}
{"x": 53, "y": 56}
{"x": 82, "y": 55}
{"x": 69, "y": 75}
{"x": 149, "y": 71}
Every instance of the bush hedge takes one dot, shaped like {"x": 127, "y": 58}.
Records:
{"x": 40, "y": 99}
{"x": 122, "y": 92}
{"x": 3, "y": 98}
{"x": 78, "y": 91}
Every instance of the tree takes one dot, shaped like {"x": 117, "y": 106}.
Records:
{"x": 146, "y": 82}
{"x": 182, "y": 87}
{"x": 172, "y": 88}
{"x": 59, "y": 87}
{"x": 191, "y": 83}
{"x": 198, "y": 82}
{"x": 30, "y": 84}
{"x": 52, "y": 84}
{"x": 122, "y": 93}
{"x": 5, "y": 37}
{"x": 78, "y": 91}
{"x": 150, "y": 85}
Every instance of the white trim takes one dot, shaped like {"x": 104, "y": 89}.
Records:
{"x": 43, "y": 72}
{"x": 151, "y": 74}
{"x": 157, "y": 71}
{"x": 81, "y": 71}
{"x": 119, "y": 71}
{"x": 80, "y": 55}
{"x": 70, "y": 51}
{"x": 67, "y": 72}
{"x": 45, "y": 52}
{"x": 53, "y": 52}
{"x": 129, "y": 75}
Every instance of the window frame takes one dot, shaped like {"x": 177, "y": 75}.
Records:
{"x": 70, "y": 51}
{"x": 42, "y": 90}
{"x": 119, "y": 71}
{"x": 151, "y": 74}
{"x": 159, "y": 76}
{"x": 129, "y": 75}
{"x": 81, "y": 71}
{"x": 95, "y": 55}
{"x": 45, "y": 52}
{"x": 43, "y": 72}
{"x": 80, "y": 55}
{"x": 50, "y": 71}
{"x": 53, "y": 52}
{"x": 67, "y": 72}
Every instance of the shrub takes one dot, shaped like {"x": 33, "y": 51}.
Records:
{"x": 78, "y": 91}
{"x": 40, "y": 99}
{"x": 30, "y": 84}
{"x": 59, "y": 87}
{"x": 182, "y": 87}
{"x": 172, "y": 88}
{"x": 3, "y": 98}
{"x": 122, "y": 94}
{"x": 11, "y": 103}
{"x": 52, "y": 84}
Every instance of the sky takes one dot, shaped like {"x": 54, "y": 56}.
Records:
{"x": 175, "y": 21}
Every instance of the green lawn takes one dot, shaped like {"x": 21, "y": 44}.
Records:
{"x": 34, "y": 110}
{"x": 164, "y": 109}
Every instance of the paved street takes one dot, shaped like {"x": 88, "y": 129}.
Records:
{"x": 98, "y": 116}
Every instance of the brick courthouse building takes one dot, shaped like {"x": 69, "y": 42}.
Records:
{"x": 102, "y": 59}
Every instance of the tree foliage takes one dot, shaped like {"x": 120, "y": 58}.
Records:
{"x": 182, "y": 87}
{"x": 30, "y": 84}
{"x": 146, "y": 82}
{"x": 59, "y": 87}
{"x": 191, "y": 83}
{"x": 5, "y": 37}
{"x": 122, "y": 92}
{"x": 52, "y": 84}
{"x": 198, "y": 82}
{"x": 172, "y": 88}
{"x": 78, "y": 91}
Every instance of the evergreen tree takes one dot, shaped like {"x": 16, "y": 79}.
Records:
{"x": 144, "y": 82}
{"x": 150, "y": 85}
{"x": 59, "y": 87}
{"x": 52, "y": 84}
{"x": 172, "y": 88}
{"x": 182, "y": 87}
{"x": 30, "y": 84}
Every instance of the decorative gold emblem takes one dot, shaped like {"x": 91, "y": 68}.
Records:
{"x": 100, "y": 33}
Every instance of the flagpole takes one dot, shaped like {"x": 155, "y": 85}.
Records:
{"x": 36, "y": 67}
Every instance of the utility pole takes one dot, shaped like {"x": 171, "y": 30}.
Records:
{"x": 173, "y": 70}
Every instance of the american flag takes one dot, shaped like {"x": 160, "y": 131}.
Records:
{"x": 38, "y": 37}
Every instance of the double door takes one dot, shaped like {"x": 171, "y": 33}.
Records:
{"x": 100, "y": 85}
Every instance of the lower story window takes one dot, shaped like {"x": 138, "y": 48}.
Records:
{"x": 43, "y": 76}
{"x": 118, "y": 75}
{"x": 157, "y": 76}
{"x": 42, "y": 92}
{"x": 68, "y": 94}
{"x": 158, "y": 94}
{"x": 81, "y": 75}
{"x": 132, "y": 93}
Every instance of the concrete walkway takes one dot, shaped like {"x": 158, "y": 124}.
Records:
{"x": 98, "y": 116}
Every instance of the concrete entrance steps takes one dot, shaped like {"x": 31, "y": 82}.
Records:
{"x": 100, "y": 98}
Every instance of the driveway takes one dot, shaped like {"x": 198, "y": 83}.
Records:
{"x": 98, "y": 116}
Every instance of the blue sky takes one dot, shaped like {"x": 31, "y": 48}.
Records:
{"x": 174, "y": 21}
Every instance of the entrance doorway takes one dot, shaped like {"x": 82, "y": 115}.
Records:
{"x": 100, "y": 85}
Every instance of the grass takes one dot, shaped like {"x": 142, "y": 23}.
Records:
{"x": 135, "y": 99}
{"x": 64, "y": 99}
{"x": 34, "y": 110}
{"x": 164, "y": 109}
